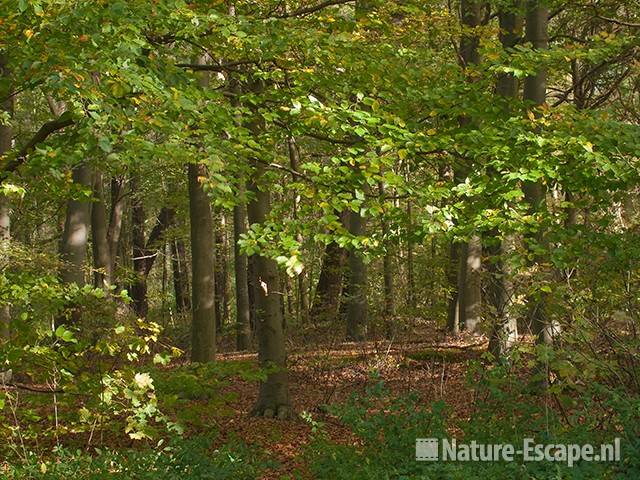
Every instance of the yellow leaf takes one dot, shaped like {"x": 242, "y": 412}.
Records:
{"x": 431, "y": 131}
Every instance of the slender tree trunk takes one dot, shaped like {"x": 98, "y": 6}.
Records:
{"x": 203, "y": 331}
{"x": 115, "y": 227}
{"x": 302, "y": 303}
{"x": 139, "y": 287}
{"x": 473, "y": 293}
{"x": 326, "y": 303}
{"x": 357, "y": 303}
{"x": 500, "y": 290}
{"x": 273, "y": 398}
{"x": 180, "y": 276}
{"x": 252, "y": 282}
{"x": 411, "y": 289}
{"x": 470, "y": 301}
{"x": 145, "y": 251}
{"x": 5, "y": 240}
{"x": 5, "y": 212}
{"x": 535, "y": 91}
{"x": 221, "y": 298}
{"x": 102, "y": 262}
{"x": 453, "y": 270}
{"x": 387, "y": 274}
{"x": 243, "y": 325}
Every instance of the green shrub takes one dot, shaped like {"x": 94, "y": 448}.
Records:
{"x": 507, "y": 410}
{"x": 187, "y": 459}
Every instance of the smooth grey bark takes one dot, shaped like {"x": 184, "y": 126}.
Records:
{"x": 466, "y": 287}
{"x": 240, "y": 264}
{"x": 473, "y": 285}
{"x": 102, "y": 262}
{"x": 73, "y": 247}
{"x": 6, "y": 135}
{"x": 357, "y": 303}
{"x": 273, "y": 398}
{"x": 500, "y": 292}
{"x": 203, "y": 330}
{"x": 203, "y": 257}
{"x": 535, "y": 91}
{"x": 504, "y": 333}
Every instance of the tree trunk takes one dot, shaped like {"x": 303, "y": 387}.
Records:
{"x": 453, "y": 271}
{"x": 5, "y": 212}
{"x": 500, "y": 290}
{"x": 203, "y": 331}
{"x": 326, "y": 303}
{"x": 411, "y": 289}
{"x": 302, "y": 304}
{"x": 500, "y": 293}
{"x": 252, "y": 283}
{"x": 145, "y": 252}
{"x": 73, "y": 248}
{"x": 102, "y": 262}
{"x": 5, "y": 239}
{"x": 115, "y": 226}
{"x": 471, "y": 263}
{"x": 139, "y": 287}
{"x": 388, "y": 312}
{"x": 467, "y": 293}
{"x": 243, "y": 325}
{"x": 473, "y": 293}
{"x": 180, "y": 276}
{"x": 221, "y": 298}
{"x": 273, "y": 398}
{"x": 535, "y": 91}
{"x": 357, "y": 306}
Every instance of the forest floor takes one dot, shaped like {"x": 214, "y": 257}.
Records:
{"x": 433, "y": 369}
{"x": 425, "y": 362}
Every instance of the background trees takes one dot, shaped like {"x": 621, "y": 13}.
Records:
{"x": 382, "y": 168}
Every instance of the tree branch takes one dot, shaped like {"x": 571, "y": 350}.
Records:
{"x": 314, "y": 8}
{"x": 618, "y": 22}
{"x": 41, "y": 135}
{"x": 219, "y": 67}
